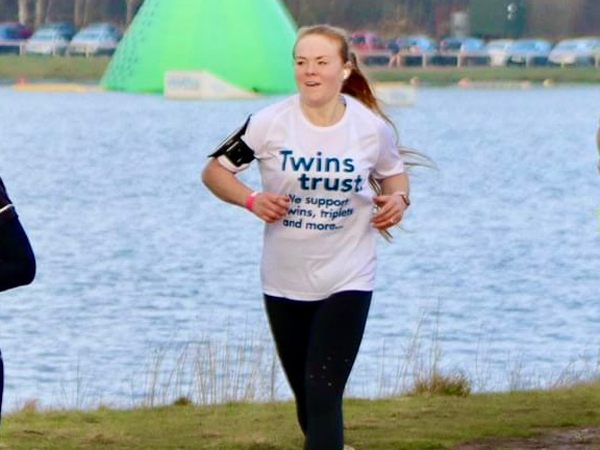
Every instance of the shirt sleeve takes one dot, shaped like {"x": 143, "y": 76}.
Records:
{"x": 389, "y": 160}
{"x": 7, "y": 210}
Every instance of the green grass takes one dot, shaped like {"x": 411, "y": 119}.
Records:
{"x": 35, "y": 68}
{"x": 452, "y": 75}
{"x": 393, "y": 423}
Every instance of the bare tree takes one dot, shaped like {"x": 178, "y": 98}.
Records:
{"x": 40, "y": 12}
{"x": 24, "y": 11}
{"x": 131, "y": 6}
{"x": 78, "y": 12}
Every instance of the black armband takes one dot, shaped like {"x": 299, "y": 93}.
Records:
{"x": 235, "y": 149}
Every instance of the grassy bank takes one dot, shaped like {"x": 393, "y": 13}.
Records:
{"x": 453, "y": 75}
{"x": 394, "y": 423}
{"x": 91, "y": 69}
{"x": 36, "y": 68}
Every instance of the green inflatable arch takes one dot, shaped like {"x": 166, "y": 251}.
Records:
{"x": 247, "y": 43}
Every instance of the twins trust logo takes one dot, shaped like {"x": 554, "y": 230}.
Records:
{"x": 331, "y": 172}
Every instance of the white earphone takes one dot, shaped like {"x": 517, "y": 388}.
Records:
{"x": 346, "y": 74}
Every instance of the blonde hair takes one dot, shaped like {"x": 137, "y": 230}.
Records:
{"x": 357, "y": 85}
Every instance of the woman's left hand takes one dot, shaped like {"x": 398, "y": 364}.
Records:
{"x": 389, "y": 212}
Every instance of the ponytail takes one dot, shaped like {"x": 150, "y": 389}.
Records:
{"x": 359, "y": 87}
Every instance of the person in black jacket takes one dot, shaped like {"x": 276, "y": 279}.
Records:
{"x": 17, "y": 262}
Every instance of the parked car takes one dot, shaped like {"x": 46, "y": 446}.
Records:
{"x": 366, "y": 40}
{"x": 95, "y": 39}
{"x": 575, "y": 52}
{"x": 47, "y": 42}
{"x": 11, "y": 36}
{"x": 533, "y": 52}
{"x": 414, "y": 48}
{"x": 67, "y": 29}
{"x": 106, "y": 27}
{"x": 18, "y": 30}
{"x": 470, "y": 50}
{"x": 498, "y": 51}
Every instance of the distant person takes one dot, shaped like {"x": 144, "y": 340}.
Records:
{"x": 395, "y": 57}
{"x": 17, "y": 263}
{"x": 332, "y": 175}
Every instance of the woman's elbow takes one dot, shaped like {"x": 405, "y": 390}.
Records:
{"x": 209, "y": 173}
{"x": 29, "y": 271}
{"x": 26, "y": 270}
{"x": 204, "y": 174}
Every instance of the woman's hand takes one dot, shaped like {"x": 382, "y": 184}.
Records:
{"x": 270, "y": 207}
{"x": 390, "y": 209}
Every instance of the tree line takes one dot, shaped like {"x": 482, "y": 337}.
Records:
{"x": 79, "y": 12}
{"x": 394, "y": 14}
{"x": 389, "y": 17}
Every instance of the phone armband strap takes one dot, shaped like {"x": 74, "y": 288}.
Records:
{"x": 236, "y": 152}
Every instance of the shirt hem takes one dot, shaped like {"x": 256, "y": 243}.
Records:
{"x": 314, "y": 296}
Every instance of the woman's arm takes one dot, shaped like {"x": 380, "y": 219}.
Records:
{"x": 226, "y": 186}
{"x": 17, "y": 262}
{"x": 392, "y": 202}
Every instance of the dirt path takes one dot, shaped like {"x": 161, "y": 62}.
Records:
{"x": 563, "y": 439}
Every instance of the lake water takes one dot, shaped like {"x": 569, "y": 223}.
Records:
{"x": 142, "y": 272}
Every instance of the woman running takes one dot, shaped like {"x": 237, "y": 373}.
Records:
{"x": 332, "y": 176}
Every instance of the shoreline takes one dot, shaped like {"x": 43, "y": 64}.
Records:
{"x": 86, "y": 71}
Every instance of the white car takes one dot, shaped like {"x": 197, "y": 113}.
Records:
{"x": 498, "y": 51}
{"x": 575, "y": 52}
{"x": 47, "y": 42}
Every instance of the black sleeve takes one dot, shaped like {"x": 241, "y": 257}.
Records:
{"x": 7, "y": 210}
{"x": 17, "y": 261}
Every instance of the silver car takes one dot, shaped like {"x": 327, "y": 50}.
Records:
{"x": 47, "y": 42}
{"x": 95, "y": 39}
{"x": 528, "y": 52}
{"x": 575, "y": 52}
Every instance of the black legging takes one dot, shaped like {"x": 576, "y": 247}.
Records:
{"x": 17, "y": 265}
{"x": 317, "y": 343}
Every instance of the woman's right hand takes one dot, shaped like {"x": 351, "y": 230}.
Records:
{"x": 270, "y": 207}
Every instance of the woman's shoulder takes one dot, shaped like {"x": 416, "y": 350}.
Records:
{"x": 262, "y": 122}
{"x": 275, "y": 110}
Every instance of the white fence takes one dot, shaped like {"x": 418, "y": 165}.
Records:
{"x": 12, "y": 46}
{"x": 457, "y": 59}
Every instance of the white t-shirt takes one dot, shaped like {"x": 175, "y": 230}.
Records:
{"x": 326, "y": 243}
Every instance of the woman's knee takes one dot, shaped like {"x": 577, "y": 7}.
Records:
{"x": 323, "y": 393}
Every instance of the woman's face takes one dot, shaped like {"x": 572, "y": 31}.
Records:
{"x": 318, "y": 69}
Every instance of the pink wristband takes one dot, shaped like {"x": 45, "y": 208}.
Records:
{"x": 250, "y": 201}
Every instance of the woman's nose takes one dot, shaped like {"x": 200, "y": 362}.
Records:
{"x": 310, "y": 68}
